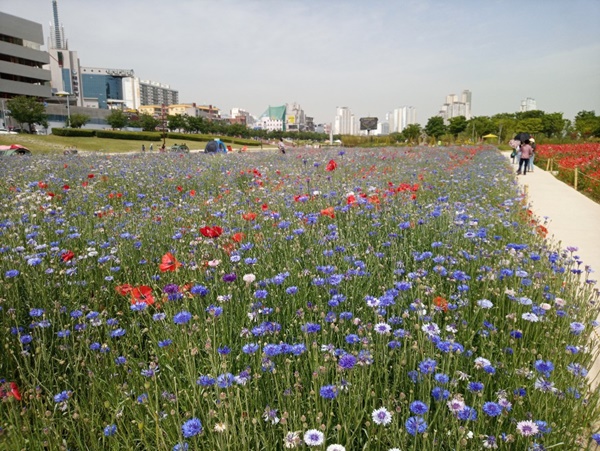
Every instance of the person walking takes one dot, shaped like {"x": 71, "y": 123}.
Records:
{"x": 281, "y": 146}
{"x": 526, "y": 151}
{"x": 143, "y": 148}
{"x": 151, "y": 147}
{"x": 532, "y": 156}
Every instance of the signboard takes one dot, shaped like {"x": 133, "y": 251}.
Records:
{"x": 368, "y": 123}
{"x": 291, "y": 120}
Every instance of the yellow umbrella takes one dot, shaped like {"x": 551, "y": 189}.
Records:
{"x": 489, "y": 136}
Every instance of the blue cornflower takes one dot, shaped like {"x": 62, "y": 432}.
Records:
{"x": 164, "y": 343}
{"x": 109, "y": 430}
{"x": 544, "y": 367}
{"x": 438, "y": 393}
{"x": 191, "y": 427}
{"x": 311, "y": 328}
{"x": 223, "y": 350}
{"x": 577, "y": 328}
{"x": 441, "y": 378}
{"x": 62, "y": 396}
{"x": 492, "y": 409}
{"x": 199, "y": 290}
{"x": 250, "y": 348}
{"x": 11, "y": 273}
{"x": 328, "y": 391}
{"x": 35, "y": 312}
{"x": 352, "y": 339}
{"x": 415, "y": 425}
{"x": 206, "y": 381}
{"x": 291, "y": 290}
{"x": 467, "y": 414}
{"x": 427, "y": 366}
{"x": 117, "y": 333}
{"x": 418, "y": 408}
{"x": 225, "y": 380}
{"x": 26, "y": 339}
{"x": 120, "y": 360}
{"x": 181, "y": 447}
{"x": 347, "y": 361}
{"x": 182, "y": 317}
{"x": 475, "y": 386}
{"x": 159, "y": 316}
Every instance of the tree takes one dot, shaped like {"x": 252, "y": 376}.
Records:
{"x": 586, "y": 122}
{"x": 148, "y": 123}
{"x": 27, "y": 110}
{"x": 553, "y": 124}
{"x": 78, "y": 120}
{"x": 435, "y": 126}
{"x": 530, "y": 125}
{"x": 176, "y": 122}
{"x": 412, "y": 132}
{"x": 457, "y": 125}
{"x": 479, "y": 126}
{"x": 117, "y": 119}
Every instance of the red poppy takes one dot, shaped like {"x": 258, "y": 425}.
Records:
{"x": 180, "y": 188}
{"x": 192, "y": 192}
{"x": 264, "y": 207}
{"x": 50, "y": 194}
{"x": 249, "y": 216}
{"x": 351, "y": 199}
{"x": 331, "y": 166}
{"x": 169, "y": 263}
{"x": 238, "y": 237}
{"x": 124, "y": 289}
{"x": 14, "y": 391}
{"x": 90, "y": 176}
{"x": 67, "y": 256}
{"x": 441, "y": 303}
{"x": 42, "y": 185}
{"x": 84, "y": 184}
{"x": 66, "y": 187}
{"x": 328, "y": 212}
{"x": 211, "y": 232}
{"x": 142, "y": 294}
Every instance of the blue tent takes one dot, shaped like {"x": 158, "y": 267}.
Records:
{"x": 215, "y": 146}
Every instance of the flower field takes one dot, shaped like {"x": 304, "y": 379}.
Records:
{"x": 566, "y": 157}
{"x": 337, "y": 300}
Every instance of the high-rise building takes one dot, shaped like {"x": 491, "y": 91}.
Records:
{"x": 528, "y": 104}
{"x": 295, "y": 119}
{"x": 21, "y": 59}
{"x": 344, "y": 122}
{"x": 64, "y": 64}
{"x": 456, "y": 107}
{"x": 401, "y": 117}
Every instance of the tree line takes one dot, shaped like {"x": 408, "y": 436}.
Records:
{"x": 586, "y": 124}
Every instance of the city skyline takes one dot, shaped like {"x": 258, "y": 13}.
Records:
{"x": 373, "y": 57}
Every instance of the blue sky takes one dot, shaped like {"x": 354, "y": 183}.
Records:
{"x": 371, "y": 56}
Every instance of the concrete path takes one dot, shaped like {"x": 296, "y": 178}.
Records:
{"x": 573, "y": 220}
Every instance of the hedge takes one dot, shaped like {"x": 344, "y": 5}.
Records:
{"x": 138, "y": 136}
{"x": 74, "y": 132}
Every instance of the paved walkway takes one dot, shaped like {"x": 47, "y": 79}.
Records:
{"x": 573, "y": 220}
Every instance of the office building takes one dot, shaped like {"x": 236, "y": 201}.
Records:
{"x": 295, "y": 118}
{"x": 21, "y": 59}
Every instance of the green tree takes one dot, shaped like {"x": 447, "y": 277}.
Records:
{"x": 553, "y": 124}
{"x": 479, "y": 126}
{"x": 457, "y": 125}
{"x": 435, "y": 127}
{"x": 412, "y": 132}
{"x": 78, "y": 120}
{"x": 532, "y": 125}
{"x": 176, "y": 122}
{"x": 117, "y": 119}
{"x": 586, "y": 122}
{"x": 148, "y": 123}
{"x": 27, "y": 110}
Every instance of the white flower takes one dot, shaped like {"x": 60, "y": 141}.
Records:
{"x": 381, "y": 416}
{"x": 249, "y": 278}
{"x": 314, "y": 437}
{"x": 480, "y": 362}
{"x": 336, "y": 447}
{"x": 527, "y": 428}
{"x": 545, "y": 306}
{"x": 531, "y": 317}
{"x": 214, "y": 263}
{"x": 383, "y": 328}
{"x": 485, "y": 303}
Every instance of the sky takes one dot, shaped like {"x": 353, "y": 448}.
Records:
{"x": 370, "y": 56}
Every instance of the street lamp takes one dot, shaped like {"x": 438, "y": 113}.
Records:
{"x": 66, "y": 94}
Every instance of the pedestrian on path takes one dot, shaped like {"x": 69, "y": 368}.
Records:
{"x": 151, "y": 147}
{"x": 526, "y": 151}
{"x": 143, "y": 148}
{"x": 281, "y": 146}
{"x": 532, "y": 156}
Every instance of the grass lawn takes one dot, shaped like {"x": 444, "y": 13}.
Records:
{"x": 56, "y": 144}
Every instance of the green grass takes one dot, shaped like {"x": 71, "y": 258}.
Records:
{"x": 56, "y": 144}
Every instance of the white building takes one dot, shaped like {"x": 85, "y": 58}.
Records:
{"x": 456, "y": 106}
{"x": 401, "y": 117}
{"x": 266, "y": 123}
{"x": 344, "y": 122}
{"x": 528, "y": 104}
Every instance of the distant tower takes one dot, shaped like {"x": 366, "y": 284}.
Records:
{"x": 64, "y": 63}
{"x": 58, "y": 31}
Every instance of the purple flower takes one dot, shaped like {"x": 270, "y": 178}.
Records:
{"x": 328, "y": 391}
{"x": 311, "y": 328}
{"x": 229, "y": 277}
{"x": 492, "y": 409}
{"x": 347, "y": 361}
{"x": 415, "y": 425}
{"x": 418, "y": 408}
{"x": 182, "y": 317}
